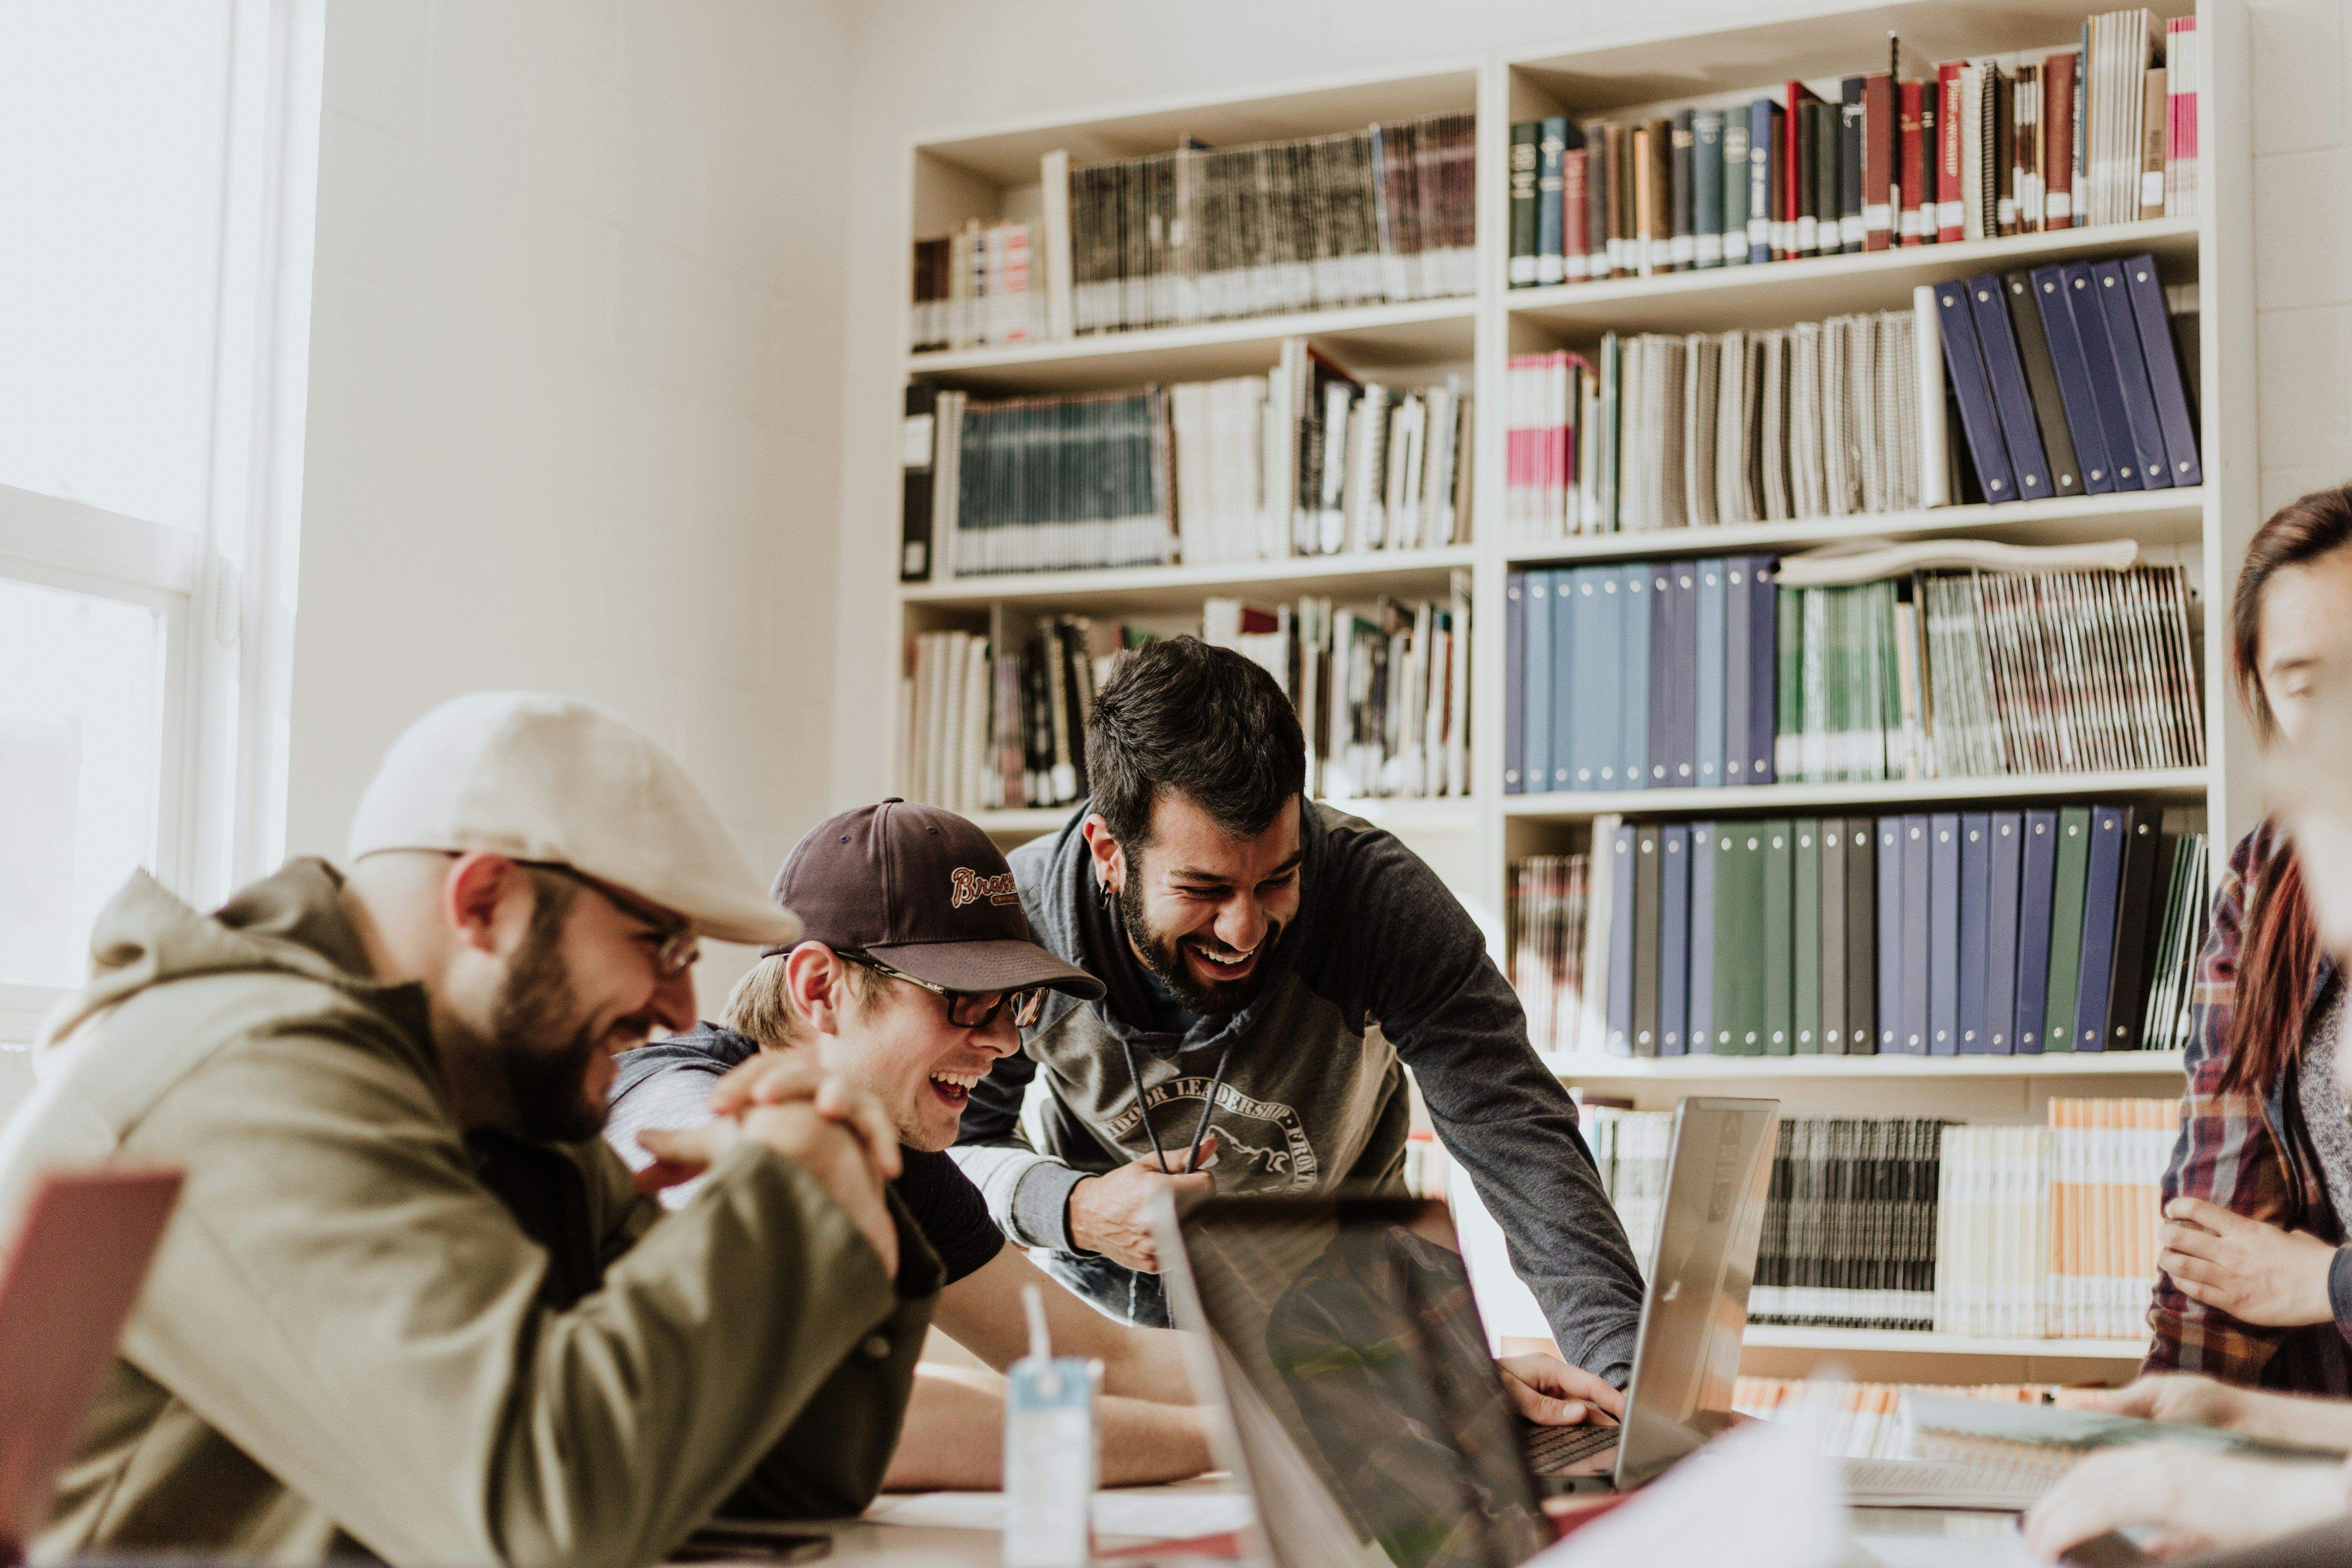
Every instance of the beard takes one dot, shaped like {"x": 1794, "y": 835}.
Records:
{"x": 543, "y": 1049}
{"x": 1161, "y": 954}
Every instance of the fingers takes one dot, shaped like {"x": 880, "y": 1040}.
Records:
{"x": 770, "y": 1077}
{"x": 2180, "y": 1266}
{"x": 1597, "y": 1390}
{"x": 863, "y": 1115}
{"x": 2103, "y": 1492}
{"x": 2206, "y": 1295}
{"x": 1207, "y": 1155}
{"x": 2211, "y": 1215}
{"x": 2137, "y": 1398}
{"x": 2195, "y": 1242}
{"x": 664, "y": 1173}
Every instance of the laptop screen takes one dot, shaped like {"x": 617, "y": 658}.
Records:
{"x": 1353, "y": 1355}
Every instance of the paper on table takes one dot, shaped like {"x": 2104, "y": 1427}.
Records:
{"x": 1155, "y": 1514}
{"x": 1709, "y": 1507}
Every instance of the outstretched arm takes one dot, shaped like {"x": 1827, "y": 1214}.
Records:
{"x": 955, "y": 1437}
{"x": 982, "y": 1312}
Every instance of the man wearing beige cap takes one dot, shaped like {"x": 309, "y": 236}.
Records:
{"x": 412, "y": 1307}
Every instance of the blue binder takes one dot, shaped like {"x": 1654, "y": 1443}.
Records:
{"x": 1682, "y": 646}
{"x": 1944, "y": 934}
{"x": 1918, "y": 944}
{"x": 1621, "y": 920}
{"x": 1600, "y": 684}
{"x": 2037, "y": 881}
{"x": 1566, "y": 721}
{"x": 1634, "y": 604}
{"x": 2131, "y": 373}
{"x": 2012, "y": 400}
{"x": 1514, "y": 678}
{"x": 1976, "y": 929}
{"x": 1965, "y": 361}
{"x": 1763, "y": 152}
{"x": 1714, "y": 688}
{"x": 2164, "y": 375}
{"x": 2106, "y": 391}
{"x": 1665, "y": 694}
{"x": 1673, "y": 938}
{"x": 1698, "y": 1028}
{"x": 1536, "y": 715}
{"x": 1763, "y": 665}
{"x": 2001, "y": 947}
{"x": 2052, "y": 296}
{"x": 2102, "y": 885}
{"x": 1890, "y": 935}
{"x": 1735, "y": 651}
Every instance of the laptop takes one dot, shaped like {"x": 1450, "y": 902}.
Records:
{"x": 1367, "y": 1412}
{"x": 67, "y": 1282}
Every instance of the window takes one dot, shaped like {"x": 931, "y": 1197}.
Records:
{"x": 157, "y": 178}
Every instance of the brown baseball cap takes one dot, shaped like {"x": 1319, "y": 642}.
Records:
{"x": 925, "y": 892}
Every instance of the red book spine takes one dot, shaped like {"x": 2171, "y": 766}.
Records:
{"x": 1911, "y": 163}
{"x": 1577, "y": 232}
{"x": 1877, "y": 162}
{"x": 1947, "y": 153}
{"x": 2058, "y": 139}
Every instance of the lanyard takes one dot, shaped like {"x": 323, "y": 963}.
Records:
{"x": 1199, "y": 1132}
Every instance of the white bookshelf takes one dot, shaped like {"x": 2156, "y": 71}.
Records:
{"x": 991, "y": 172}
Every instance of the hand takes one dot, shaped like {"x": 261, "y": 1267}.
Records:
{"x": 2182, "y": 1396}
{"x": 2256, "y": 1272}
{"x": 1547, "y": 1390}
{"x": 1112, "y": 1213}
{"x": 2194, "y": 1501}
{"x": 776, "y": 1078}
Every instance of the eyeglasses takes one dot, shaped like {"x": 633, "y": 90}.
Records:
{"x": 967, "y": 1009}
{"x": 679, "y": 948}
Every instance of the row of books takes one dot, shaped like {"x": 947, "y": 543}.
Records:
{"x": 1849, "y": 1236}
{"x": 989, "y": 728}
{"x": 2099, "y": 133}
{"x": 1946, "y": 933}
{"x": 973, "y": 288}
{"x": 1702, "y": 673}
{"x": 1820, "y": 419}
{"x": 1864, "y": 1420}
{"x": 2052, "y": 1229}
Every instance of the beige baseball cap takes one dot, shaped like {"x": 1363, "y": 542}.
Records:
{"x": 536, "y": 777}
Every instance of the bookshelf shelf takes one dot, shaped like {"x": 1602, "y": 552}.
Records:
{"x": 1183, "y": 587}
{"x": 2152, "y": 516}
{"x": 1913, "y": 1342}
{"x": 1766, "y": 798}
{"x": 1722, "y": 297}
{"x": 1369, "y": 338}
{"x": 1587, "y": 1067}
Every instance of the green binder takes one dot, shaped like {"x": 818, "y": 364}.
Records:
{"x": 1739, "y": 933}
{"x": 1806, "y": 929}
{"x": 2066, "y": 928}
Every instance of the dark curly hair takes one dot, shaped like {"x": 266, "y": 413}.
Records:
{"x": 1203, "y": 723}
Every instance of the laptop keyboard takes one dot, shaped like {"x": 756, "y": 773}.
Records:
{"x": 1551, "y": 1449}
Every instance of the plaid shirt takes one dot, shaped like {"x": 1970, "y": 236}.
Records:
{"x": 2250, "y": 1154}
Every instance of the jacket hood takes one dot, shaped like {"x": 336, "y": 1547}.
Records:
{"x": 291, "y": 923}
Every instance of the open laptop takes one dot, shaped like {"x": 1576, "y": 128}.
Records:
{"x": 1367, "y": 1412}
{"x": 67, "y": 1282}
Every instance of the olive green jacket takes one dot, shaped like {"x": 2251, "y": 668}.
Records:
{"x": 365, "y": 1331}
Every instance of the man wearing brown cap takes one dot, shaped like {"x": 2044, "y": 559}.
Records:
{"x": 411, "y": 1307}
{"x": 914, "y": 975}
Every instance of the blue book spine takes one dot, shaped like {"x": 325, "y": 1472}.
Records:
{"x": 1536, "y": 714}
{"x": 1565, "y": 674}
{"x": 2102, "y": 884}
{"x": 1762, "y": 115}
{"x": 1918, "y": 891}
{"x": 2099, "y": 363}
{"x": 1684, "y": 595}
{"x": 1731, "y": 646}
{"x": 1976, "y": 933}
{"x": 1890, "y": 935}
{"x": 2131, "y": 375}
{"x": 1698, "y": 1028}
{"x": 1552, "y": 146}
{"x": 1622, "y": 924}
{"x": 1633, "y": 716}
{"x": 2164, "y": 377}
{"x": 1944, "y": 934}
{"x": 2054, "y": 299}
{"x": 1598, "y": 682}
{"x": 1673, "y": 939}
{"x": 2008, "y": 847}
{"x": 1763, "y": 664}
{"x": 2037, "y": 885}
{"x": 1514, "y": 678}
{"x": 1964, "y": 363}
{"x": 1707, "y": 629}
{"x": 1666, "y": 693}
{"x": 2012, "y": 400}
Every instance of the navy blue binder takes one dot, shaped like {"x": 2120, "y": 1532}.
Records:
{"x": 1944, "y": 934}
{"x": 1763, "y": 662}
{"x": 1698, "y": 1027}
{"x": 2037, "y": 880}
{"x": 2131, "y": 375}
{"x": 1890, "y": 935}
{"x": 1633, "y": 715}
{"x": 1673, "y": 938}
{"x": 2001, "y": 948}
{"x": 1975, "y": 931}
{"x": 2051, "y": 298}
{"x": 1712, "y": 672}
{"x": 2163, "y": 362}
{"x": 1565, "y": 672}
{"x": 2102, "y": 888}
{"x": 1536, "y": 715}
{"x": 1973, "y": 389}
{"x": 2099, "y": 363}
{"x": 2012, "y": 399}
{"x": 1514, "y": 676}
{"x": 1622, "y": 917}
{"x": 1600, "y": 683}
{"x": 1918, "y": 944}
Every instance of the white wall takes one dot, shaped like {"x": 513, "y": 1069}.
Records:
{"x": 933, "y": 64}
{"x": 574, "y": 386}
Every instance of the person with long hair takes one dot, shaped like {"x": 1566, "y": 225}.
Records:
{"x": 2256, "y": 1283}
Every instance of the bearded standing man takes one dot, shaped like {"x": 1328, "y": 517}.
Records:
{"x": 1272, "y": 966}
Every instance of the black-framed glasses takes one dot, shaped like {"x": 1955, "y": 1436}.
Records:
{"x": 967, "y": 1009}
{"x": 679, "y": 949}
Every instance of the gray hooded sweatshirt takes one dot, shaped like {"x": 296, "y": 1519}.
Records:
{"x": 1380, "y": 970}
